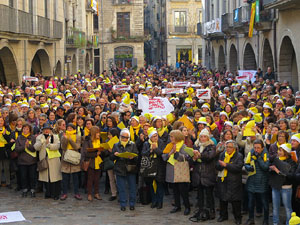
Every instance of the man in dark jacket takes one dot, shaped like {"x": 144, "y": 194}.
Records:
{"x": 125, "y": 169}
{"x": 257, "y": 164}
{"x": 229, "y": 181}
{"x": 269, "y": 74}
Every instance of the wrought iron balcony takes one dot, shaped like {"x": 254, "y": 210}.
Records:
{"x": 75, "y": 38}
{"x": 265, "y": 20}
{"x": 241, "y": 18}
{"x": 227, "y": 22}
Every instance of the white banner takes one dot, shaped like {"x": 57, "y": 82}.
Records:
{"x": 172, "y": 91}
{"x": 181, "y": 84}
{"x": 122, "y": 87}
{"x": 203, "y": 93}
{"x": 213, "y": 26}
{"x": 28, "y": 78}
{"x": 249, "y": 73}
{"x": 10, "y": 217}
{"x": 157, "y": 106}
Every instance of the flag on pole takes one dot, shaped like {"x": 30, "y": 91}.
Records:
{"x": 251, "y": 25}
{"x": 94, "y": 5}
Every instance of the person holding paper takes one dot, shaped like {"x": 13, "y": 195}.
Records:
{"x": 282, "y": 172}
{"x": 125, "y": 169}
{"x": 95, "y": 160}
{"x": 5, "y": 149}
{"x": 27, "y": 160}
{"x": 48, "y": 144}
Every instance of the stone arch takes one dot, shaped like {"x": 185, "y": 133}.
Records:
{"x": 233, "y": 59}
{"x": 58, "y": 70}
{"x": 221, "y": 58}
{"x": 41, "y": 63}
{"x": 288, "y": 69}
{"x": 268, "y": 60}
{"x": 8, "y": 66}
{"x": 213, "y": 59}
{"x": 87, "y": 63}
{"x": 249, "y": 58}
{"x": 74, "y": 65}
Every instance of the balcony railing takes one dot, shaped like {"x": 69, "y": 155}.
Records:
{"x": 8, "y": 18}
{"x": 241, "y": 16}
{"x": 57, "y": 29}
{"x": 75, "y": 39}
{"x": 122, "y": 2}
{"x": 43, "y": 26}
{"x": 25, "y": 22}
{"x": 227, "y": 22}
{"x": 179, "y": 29}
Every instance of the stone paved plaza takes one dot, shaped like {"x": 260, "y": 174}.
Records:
{"x": 73, "y": 212}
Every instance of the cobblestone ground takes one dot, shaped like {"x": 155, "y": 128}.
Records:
{"x": 71, "y": 211}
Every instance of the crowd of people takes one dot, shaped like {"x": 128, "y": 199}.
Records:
{"x": 241, "y": 146}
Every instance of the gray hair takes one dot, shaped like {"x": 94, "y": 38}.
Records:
{"x": 232, "y": 142}
{"x": 103, "y": 114}
{"x": 125, "y": 131}
{"x": 43, "y": 115}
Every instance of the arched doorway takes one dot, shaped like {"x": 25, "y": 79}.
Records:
{"x": 267, "y": 57}
{"x": 221, "y": 59}
{"x": 123, "y": 56}
{"x": 87, "y": 63}
{"x": 233, "y": 59}
{"x": 288, "y": 69}
{"x": 249, "y": 58}
{"x": 213, "y": 59}
{"x": 57, "y": 71}
{"x": 74, "y": 65}
{"x": 8, "y": 67}
{"x": 41, "y": 63}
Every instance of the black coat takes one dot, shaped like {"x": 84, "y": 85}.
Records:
{"x": 204, "y": 173}
{"x": 231, "y": 188}
{"x": 120, "y": 163}
{"x": 161, "y": 164}
{"x": 5, "y": 151}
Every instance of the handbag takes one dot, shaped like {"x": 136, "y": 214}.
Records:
{"x": 108, "y": 164}
{"x": 85, "y": 165}
{"x": 182, "y": 172}
{"x": 72, "y": 157}
{"x": 42, "y": 164}
{"x": 148, "y": 167}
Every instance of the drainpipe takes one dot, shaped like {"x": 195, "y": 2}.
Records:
{"x": 258, "y": 46}
{"x": 25, "y": 57}
{"x": 238, "y": 50}
{"x": 102, "y": 37}
{"x": 275, "y": 48}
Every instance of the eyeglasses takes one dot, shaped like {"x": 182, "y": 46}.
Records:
{"x": 103, "y": 117}
{"x": 124, "y": 137}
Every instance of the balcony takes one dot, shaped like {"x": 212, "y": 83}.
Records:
{"x": 122, "y": 2}
{"x": 18, "y": 22}
{"x": 75, "y": 39}
{"x": 241, "y": 18}
{"x": 281, "y": 4}
{"x": 213, "y": 28}
{"x": 57, "y": 29}
{"x": 266, "y": 18}
{"x": 8, "y": 18}
{"x": 129, "y": 39}
{"x": 227, "y": 23}
{"x": 179, "y": 30}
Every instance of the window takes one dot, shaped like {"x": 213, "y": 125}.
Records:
{"x": 55, "y": 8}
{"x": 11, "y": 3}
{"x": 200, "y": 16}
{"x": 96, "y": 23}
{"x": 30, "y": 5}
{"x": 123, "y": 24}
{"x": 180, "y": 21}
{"x": 46, "y": 8}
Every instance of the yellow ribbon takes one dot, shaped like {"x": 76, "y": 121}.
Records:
{"x": 53, "y": 153}
{"x": 98, "y": 160}
{"x": 132, "y": 129}
{"x": 72, "y": 135}
{"x": 33, "y": 154}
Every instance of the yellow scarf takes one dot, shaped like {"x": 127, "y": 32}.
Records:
{"x": 98, "y": 160}
{"x": 227, "y": 160}
{"x": 213, "y": 126}
{"x": 151, "y": 143}
{"x": 72, "y": 135}
{"x": 161, "y": 131}
{"x": 33, "y": 154}
{"x": 124, "y": 143}
{"x": 266, "y": 114}
{"x": 132, "y": 129}
{"x": 25, "y": 135}
{"x": 86, "y": 132}
{"x": 3, "y": 142}
{"x": 282, "y": 158}
{"x": 171, "y": 159}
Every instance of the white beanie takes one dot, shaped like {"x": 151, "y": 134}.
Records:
{"x": 204, "y": 132}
